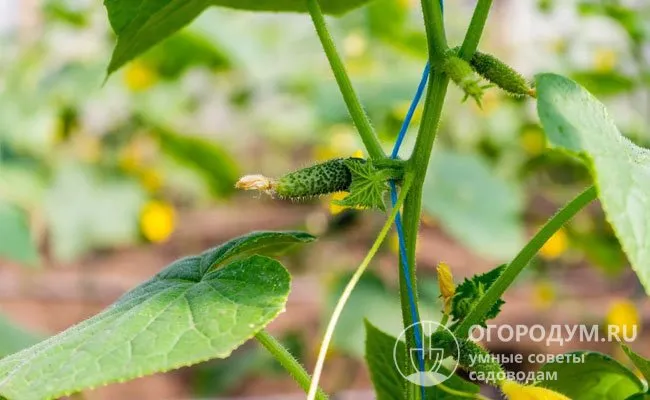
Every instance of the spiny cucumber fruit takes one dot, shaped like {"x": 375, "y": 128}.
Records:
{"x": 500, "y": 74}
{"x": 471, "y": 356}
{"x": 327, "y": 177}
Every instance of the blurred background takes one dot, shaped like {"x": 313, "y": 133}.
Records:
{"x": 103, "y": 182}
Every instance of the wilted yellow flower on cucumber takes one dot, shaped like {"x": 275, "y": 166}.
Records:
{"x": 446, "y": 284}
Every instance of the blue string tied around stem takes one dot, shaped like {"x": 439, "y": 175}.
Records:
{"x": 417, "y": 331}
{"x": 398, "y": 219}
{"x": 400, "y": 229}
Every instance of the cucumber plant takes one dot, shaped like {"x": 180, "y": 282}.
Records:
{"x": 204, "y": 306}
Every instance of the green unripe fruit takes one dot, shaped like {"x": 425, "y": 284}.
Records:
{"x": 471, "y": 356}
{"x": 475, "y": 358}
{"x": 328, "y": 177}
{"x": 462, "y": 74}
{"x": 501, "y": 74}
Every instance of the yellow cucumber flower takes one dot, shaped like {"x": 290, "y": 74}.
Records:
{"x": 446, "y": 283}
{"x": 517, "y": 391}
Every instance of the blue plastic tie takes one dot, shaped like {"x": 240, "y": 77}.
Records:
{"x": 398, "y": 220}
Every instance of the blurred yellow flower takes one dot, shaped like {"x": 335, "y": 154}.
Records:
{"x": 623, "y": 315}
{"x": 138, "y": 76}
{"x": 355, "y": 44}
{"x": 517, "y": 391}
{"x": 556, "y": 245}
{"x": 543, "y": 295}
{"x": 157, "y": 221}
{"x": 357, "y": 154}
{"x": 446, "y": 284}
{"x": 338, "y": 196}
{"x": 333, "y": 206}
{"x": 342, "y": 140}
{"x": 400, "y": 111}
{"x": 605, "y": 60}
{"x": 151, "y": 179}
{"x": 324, "y": 153}
{"x": 533, "y": 141}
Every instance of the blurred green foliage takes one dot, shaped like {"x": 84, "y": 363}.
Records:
{"x": 178, "y": 125}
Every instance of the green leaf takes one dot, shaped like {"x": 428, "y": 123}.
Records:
{"x": 198, "y": 308}
{"x": 14, "y": 338}
{"x": 213, "y": 163}
{"x": 15, "y": 238}
{"x": 599, "y": 377}
{"x": 474, "y": 205}
{"x": 386, "y": 379}
{"x": 577, "y": 122}
{"x": 140, "y": 24}
{"x": 368, "y": 186}
{"x": 641, "y": 363}
{"x": 469, "y": 293}
{"x": 604, "y": 83}
{"x": 184, "y": 50}
{"x": 388, "y": 382}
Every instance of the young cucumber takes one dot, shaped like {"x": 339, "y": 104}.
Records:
{"x": 327, "y": 177}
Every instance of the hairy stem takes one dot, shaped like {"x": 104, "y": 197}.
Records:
{"x": 475, "y": 30}
{"x": 288, "y": 361}
{"x": 522, "y": 259}
{"x": 435, "y": 29}
{"x": 352, "y": 102}
{"x": 338, "y": 309}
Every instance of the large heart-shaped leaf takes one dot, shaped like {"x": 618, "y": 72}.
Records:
{"x": 577, "y": 122}
{"x": 140, "y": 24}
{"x": 198, "y": 308}
{"x": 388, "y": 382}
{"x": 599, "y": 377}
